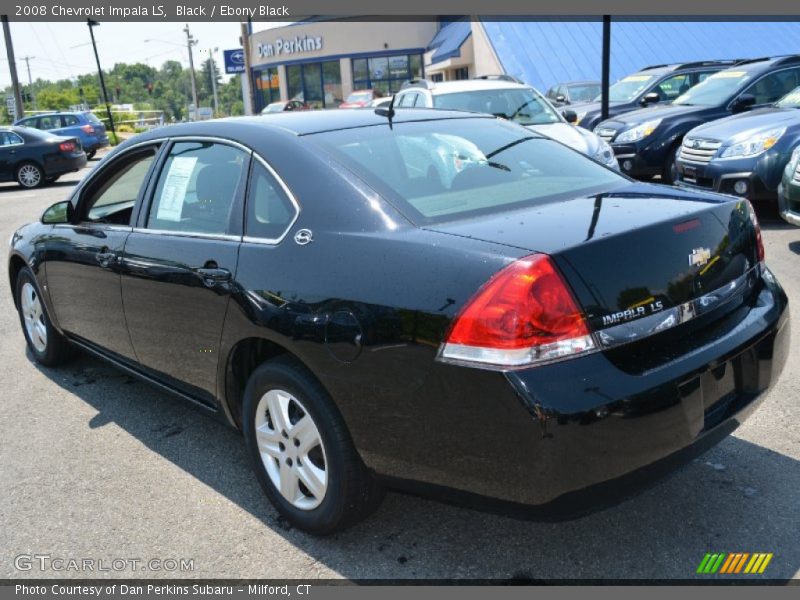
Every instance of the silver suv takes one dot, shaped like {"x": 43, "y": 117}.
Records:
{"x": 510, "y": 99}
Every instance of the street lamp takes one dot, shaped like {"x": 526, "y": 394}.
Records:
{"x": 92, "y": 24}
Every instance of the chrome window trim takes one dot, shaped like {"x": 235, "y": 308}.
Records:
{"x": 256, "y": 156}
{"x": 190, "y": 234}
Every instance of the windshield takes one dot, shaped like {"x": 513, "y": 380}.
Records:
{"x": 522, "y": 105}
{"x": 715, "y": 90}
{"x": 584, "y": 92}
{"x": 790, "y": 100}
{"x": 452, "y": 168}
{"x": 359, "y": 97}
{"x": 627, "y": 89}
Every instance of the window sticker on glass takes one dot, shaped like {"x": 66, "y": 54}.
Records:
{"x": 638, "y": 78}
{"x": 728, "y": 74}
{"x": 174, "y": 194}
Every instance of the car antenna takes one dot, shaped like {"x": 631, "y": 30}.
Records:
{"x": 387, "y": 112}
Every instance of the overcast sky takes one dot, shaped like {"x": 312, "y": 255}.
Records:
{"x": 64, "y": 50}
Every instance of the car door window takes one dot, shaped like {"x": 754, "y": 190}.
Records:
{"x": 774, "y": 86}
{"x": 270, "y": 212}
{"x": 111, "y": 200}
{"x": 49, "y": 122}
{"x": 672, "y": 87}
{"x": 9, "y": 138}
{"x": 197, "y": 188}
{"x": 407, "y": 100}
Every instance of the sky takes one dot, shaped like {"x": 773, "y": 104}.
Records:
{"x": 64, "y": 50}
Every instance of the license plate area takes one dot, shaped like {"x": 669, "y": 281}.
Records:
{"x": 690, "y": 174}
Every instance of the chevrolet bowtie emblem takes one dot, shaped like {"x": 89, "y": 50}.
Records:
{"x": 699, "y": 257}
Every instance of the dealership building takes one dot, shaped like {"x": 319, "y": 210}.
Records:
{"x": 321, "y": 61}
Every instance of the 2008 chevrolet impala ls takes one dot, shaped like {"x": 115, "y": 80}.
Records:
{"x": 441, "y": 301}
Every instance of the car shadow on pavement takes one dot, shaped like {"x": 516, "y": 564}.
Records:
{"x": 795, "y": 247}
{"x": 738, "y": 497}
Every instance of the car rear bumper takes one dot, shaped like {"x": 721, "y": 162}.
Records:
{"x": 592, "y": 431}
{"x": 58, "y": 165}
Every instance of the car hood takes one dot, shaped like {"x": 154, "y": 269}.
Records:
{"x": 576, "y": 138}
{"x": 641, "y": 115}
{"x": 748, "y": 123}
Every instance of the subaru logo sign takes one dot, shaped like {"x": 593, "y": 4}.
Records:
{"x": 234, "y": 60}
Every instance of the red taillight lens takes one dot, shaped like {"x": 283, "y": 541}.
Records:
{"x": 757, "y": 226}
{"x": 87, "y": 129}
{"x": 523, "y": 315}
{"x": 66, "y": 146}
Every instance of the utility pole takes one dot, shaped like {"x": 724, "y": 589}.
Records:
{"x": 28, "y": 60}
{"x": 12, "y": 67}
{"x": 213, "y": 70}
{"x": 92, "y": 24}
{"x": 247, "y": 78}
{"x": 190, "y": 41}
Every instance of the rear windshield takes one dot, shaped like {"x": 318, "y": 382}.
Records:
{"x": 359, "y": 97}
{"x": 522, "y": 105}
{"x": 584, "y": 92}
{"x": 455, "y": 168}
{"x": 93, "y": 119}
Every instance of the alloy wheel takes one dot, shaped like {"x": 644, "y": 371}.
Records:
{"x": 29, "y": 175}
{"x": 33, "y": 315}
{"x": 291, "y": 449}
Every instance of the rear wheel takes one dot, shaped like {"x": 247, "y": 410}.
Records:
{"x": 90, "y": 154}
{"x": 301, "y": 450}
{"x": 47, "y": 345}
{"x": 29, "y": 175}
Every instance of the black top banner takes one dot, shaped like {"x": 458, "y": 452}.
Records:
{"x": 242, "y": 10}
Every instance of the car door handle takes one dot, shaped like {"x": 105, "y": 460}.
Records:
{"x": 105, "y": 258}
{"x": 212, "y": 275}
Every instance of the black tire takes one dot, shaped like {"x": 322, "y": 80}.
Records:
{"x": 52, "y": 179}
{"x": 29, "y": 175}
{"x": 57, "y": 349}
{"x": 90, "y": 155}
{"x": 670, "y": 172}
{"x": 352, "y": 492}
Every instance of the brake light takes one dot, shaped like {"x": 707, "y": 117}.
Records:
{"x": 524, "y": 315}
{"x": 757, "y": 226}
{"x": 66, "y": 146}
{"x": 87, "y": 129}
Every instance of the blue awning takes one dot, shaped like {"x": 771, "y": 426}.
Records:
{"x": 448, "y": 41}
{"x": 545, "y": 52}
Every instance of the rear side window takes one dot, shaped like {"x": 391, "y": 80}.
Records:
{"x": 9, "y": 138}
{"x": 270, "y": 212}
{"x": 70, "y": 120}
{"x": 49, "y": 122}
{"x": 197, "y": 188}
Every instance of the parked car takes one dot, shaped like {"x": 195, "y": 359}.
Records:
{"x": 284, "y": 106}
{"x": 789, "y": 190}
{"x": 84, "y": 125}
{"x": 573, "y": 92}
{"x": 360, "y": 98}
{"x": 745, "y": 154}
{"x": 658, "y": 84}
{"x": 383, "y": 101}
{"x": 527, "y": 329}
{"x": 33, "y": 158}
{"x": 506, "y": 98}
{"x": 647, "y": 141}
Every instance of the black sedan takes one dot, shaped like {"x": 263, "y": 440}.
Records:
{"x": 32, "y": 157}
{"x": 439, "y": 301}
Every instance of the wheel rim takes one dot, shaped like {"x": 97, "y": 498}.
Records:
{"x": 291, "y": 449}
{"x": 33, "y": 315}
{"x": 29, "y": 176}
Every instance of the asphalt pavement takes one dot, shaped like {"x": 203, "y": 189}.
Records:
{"x": 96, "y": 465}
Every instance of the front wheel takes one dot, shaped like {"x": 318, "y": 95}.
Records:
{"x": 45, "y": 342}
{"x": 301, "y": 450}
{"x": 670, "y": 174}
{"x": 90, "y": 154}
{"x": 29, "y": 175}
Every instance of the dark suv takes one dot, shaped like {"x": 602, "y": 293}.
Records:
{"x": 647, "y": 141}
{"x": 652, "y": 85}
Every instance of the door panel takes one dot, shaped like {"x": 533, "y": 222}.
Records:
{"x": 82, "y": 260}
{"x": 179, "y": 267}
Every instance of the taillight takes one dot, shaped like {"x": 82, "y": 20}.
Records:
{"x": 525, "y": 314}
{"x": 66, "y": 146}
{"x": 87, "y": 129}
{"x": 757, "y": 226}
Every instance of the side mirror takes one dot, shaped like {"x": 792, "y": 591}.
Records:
{"x": 743, "y": 102}
{"x": 60, "y": 212}
{"x": 561, "y": 98}
{"x": 570, "y": 115}
{"x": 651, "y": 98}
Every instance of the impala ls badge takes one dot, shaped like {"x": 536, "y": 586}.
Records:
{"x": 699, "y": 257}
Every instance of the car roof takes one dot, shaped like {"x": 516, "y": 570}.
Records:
{"x": 306, "y": 122}
{"x": 470, "y": 85}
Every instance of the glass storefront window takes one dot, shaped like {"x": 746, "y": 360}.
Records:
{"x": 294, "y": 82}
{"x": 317, "y": 84}
{"x": 332, "y": 83}
{"x": 268, "y": 86}
{"x": 386, "y": 74}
